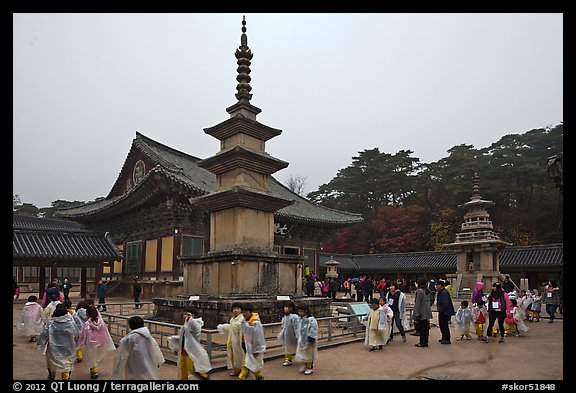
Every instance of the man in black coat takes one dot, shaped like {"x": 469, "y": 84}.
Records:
{"x": 309, "y": 286}
{"x": 507, "y": 285}
{"x": 136, "y": 292}
{"x": 445, "y": 309}
{"x": 368, "y": 289}
{"x": 334, "y": 287}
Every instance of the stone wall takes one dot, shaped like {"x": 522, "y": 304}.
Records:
{"x": 218, "y": 310}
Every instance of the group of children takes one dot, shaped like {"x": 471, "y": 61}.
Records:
{"x": 526, "y": 307}
{"x": 378, "y": 324}
{"x": 246, "y": 343}
{"x": 66, "y": 336}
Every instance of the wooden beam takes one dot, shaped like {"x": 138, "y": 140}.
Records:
{"x": 41, "y": 282}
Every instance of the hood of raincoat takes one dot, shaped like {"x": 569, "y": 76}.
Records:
{"x": 143, "y": 331}
{"x": 96, "y": 325}
{"x": 62, "y": 318}
{"x": 479, "y": 285}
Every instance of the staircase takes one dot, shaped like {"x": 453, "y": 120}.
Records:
{"x": 468, "y": 281}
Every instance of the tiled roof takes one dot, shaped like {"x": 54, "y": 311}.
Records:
{"x": 437, "y": 261}
{"x": 346, "y": 261}
{"x": 50, "y": 224}
{"x": 182, "y": 168}
{"x": 542, "y": 256}
{"x": 43, "y": 239}
{"x": 537, "y": 256}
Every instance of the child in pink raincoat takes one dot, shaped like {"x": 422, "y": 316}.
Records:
{"x": 95, "y": 339}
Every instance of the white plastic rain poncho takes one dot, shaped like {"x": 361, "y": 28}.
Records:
{"x": 253, "y": 337}
{"x": 307, "y": 351}
{"x": 518, "y": 315}
{"x": 58, "y": 343}
{"x": 190, "y": 336}
{"x": 287, "y": 335}
{"x": 525, "y": 302}
{"x": 47, "y": 312}
{"x": 80, "y": 317}
{"x": 31, "y": 322}
{"x": 378, "y": 325}
{"x": 138, "y": 356}
{"x": 463, "y": 319}
{"x": 234, "y": 352}
{"x": 96, "y": 340}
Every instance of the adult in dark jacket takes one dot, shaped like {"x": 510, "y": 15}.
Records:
{"x": 552, "y": 299}
{"x": 397, "y": 302}
{"x": 309, "y": 286}
{"x": 432, "y": 289}
{"x": 334, "y": 287}
{"x": 52, "y": 289}
{"x": 507, "y": 285}
{"x": 368, "y": 289}
{"x": 66, "y": 286}
{"x": 423, "y": 312}
{"x": 101, "y": 293}
{"x": 359, "y": 290}
{"x": 496, "y": 310}
{"x": 445, "y": 309}
{"x": 136, "y": 292}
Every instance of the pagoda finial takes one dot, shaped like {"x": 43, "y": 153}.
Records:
{"x": 244, "y": 55}
{"x": 475, "y": 186}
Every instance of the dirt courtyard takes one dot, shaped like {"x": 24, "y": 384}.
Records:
{"x": 535, "y": 356}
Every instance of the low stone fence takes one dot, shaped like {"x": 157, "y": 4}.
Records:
{"x": 332, "y": 330}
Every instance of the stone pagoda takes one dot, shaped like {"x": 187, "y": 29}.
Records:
{"x": 241, "y": 264}
{"x": 477, "y": 246}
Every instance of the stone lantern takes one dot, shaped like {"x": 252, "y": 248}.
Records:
{"x": 332, "y": 268}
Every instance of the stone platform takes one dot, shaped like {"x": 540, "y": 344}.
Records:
{"x": 215, "y": 310}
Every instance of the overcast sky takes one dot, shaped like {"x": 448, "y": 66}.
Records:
{"x": 336, "y": 84}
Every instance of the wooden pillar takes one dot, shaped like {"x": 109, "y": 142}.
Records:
{"x": 83, "y": 282}
{"x": 53, "y": 272}
{"x": 142, "y": 259}
{"x": 41, "y": 281}
{"x": 98, "y": 273}
{"x": 175, "y": 252}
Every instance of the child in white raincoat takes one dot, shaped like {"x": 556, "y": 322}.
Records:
{"x": 386, "y": 315}
{"x": 234, "y": 352}
{"x": 535, "y": 307}
{"x": 138, "y": 356}
{"x": 514, "y": 322}
{"x": 31, "y": 322}
{"x": 463, "y": 320}
{"x": 307, "y": 350}
{"x": 50, "y": 307}
{"x": 253, "y": 343}
{"x": 58, "y": 343}
{"x": 287, "y": 335}
{"x": 192, "y": 357}
{"x": 376, "y": 322}
{"x": 96, "y": 340}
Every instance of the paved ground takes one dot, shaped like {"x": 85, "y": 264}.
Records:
{"x": 537, "y": 356}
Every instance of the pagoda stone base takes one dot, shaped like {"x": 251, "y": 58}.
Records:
{"x": 469, "y": 280}
{"x": 243, "y": 271}
{"x": 218, "y": 310}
